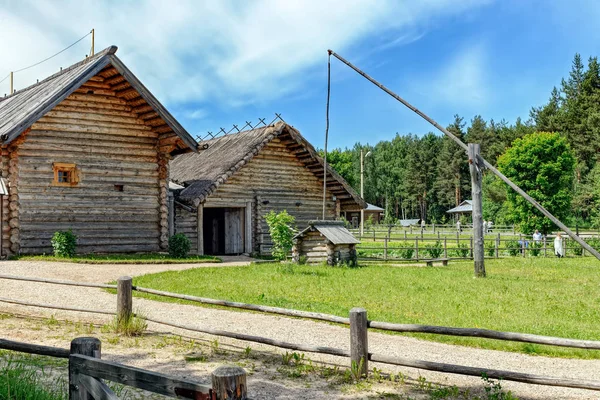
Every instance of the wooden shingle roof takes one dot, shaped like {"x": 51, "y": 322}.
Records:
{"x": 23, "y": 108}
{"x": 203, "y": 172}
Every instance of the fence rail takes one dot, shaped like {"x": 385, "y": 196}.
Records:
{"x": 359, "y": 325}
{"x": 87, "y": 370}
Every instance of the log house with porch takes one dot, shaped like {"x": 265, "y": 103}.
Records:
{"x": 230, "y": 186}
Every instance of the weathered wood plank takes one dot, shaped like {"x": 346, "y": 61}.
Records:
{"x": 34, "y": 349}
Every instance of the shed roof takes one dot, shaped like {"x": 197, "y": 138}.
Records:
{"x": 464, "y": 207}
{"x": 372, "y": 207}
{"x": 334, "y": 231}
{"x": 204, "y": 172}
{"x": 23, "y": 108}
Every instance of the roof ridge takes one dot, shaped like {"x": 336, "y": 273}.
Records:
{"x": 107, "y": 51}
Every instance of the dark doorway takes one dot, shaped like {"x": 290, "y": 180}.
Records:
{"x": 223, "y": 230}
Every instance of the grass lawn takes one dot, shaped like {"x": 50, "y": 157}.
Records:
{"x": 541, "y": 296}
{"x": 153, "y": 258}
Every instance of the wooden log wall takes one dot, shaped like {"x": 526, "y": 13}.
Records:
{"x": 186, "y": 222}
{"x": 96, "y": 130}
{"x": 278, "y": 177}
{"x": 314, "y": 247}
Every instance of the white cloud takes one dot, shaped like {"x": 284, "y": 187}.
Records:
{"x": 460, "y": 81}
{"x": 229, "y": 52}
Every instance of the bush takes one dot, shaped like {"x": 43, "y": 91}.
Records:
{"x": 64, "y": 243}
{"x": 179, "y": 246}
{"x": 462, "y": 250}
{"x": 406, "y": 251}
{"x": 490, "y": 248}
{"x": 513, "y": 247}
{"x": 594, "y": 242}
{"x": 535, "y": 248}
{"x": 280, "y": 229}
{"x": 435, "y": 250}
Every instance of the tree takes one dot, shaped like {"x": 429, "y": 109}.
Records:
{"x": 341, "y": 161}
{"x": 543, "y": 165}
{"x": 282, "y": 233}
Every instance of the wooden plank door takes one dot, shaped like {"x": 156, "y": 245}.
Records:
{"x": 234, "y": 239}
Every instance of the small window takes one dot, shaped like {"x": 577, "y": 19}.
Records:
{"x": 119, "y": 188}
{"x": 65, "y": 174}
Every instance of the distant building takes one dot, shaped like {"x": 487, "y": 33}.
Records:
{"x": 372, "y": 211}
{"x": 464, "y": 208}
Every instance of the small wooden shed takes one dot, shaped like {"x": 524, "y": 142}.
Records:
{"x": 328, "y": 241}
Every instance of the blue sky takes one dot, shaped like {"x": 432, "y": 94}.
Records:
{"x": 218, "y": 63}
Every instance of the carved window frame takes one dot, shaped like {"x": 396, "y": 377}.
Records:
{"x": 62, "y": 170}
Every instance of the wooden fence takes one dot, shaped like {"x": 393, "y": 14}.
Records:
{"x": 87, "y": 371}
{"x": 382, "y": 247}
{"x": 359, "y": 325}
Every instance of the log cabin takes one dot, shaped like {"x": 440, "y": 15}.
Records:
{"x": 230, "y": 186}
{"x": 87, "y": 149}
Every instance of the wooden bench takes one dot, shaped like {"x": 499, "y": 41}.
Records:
{"x": 444, "y": 261}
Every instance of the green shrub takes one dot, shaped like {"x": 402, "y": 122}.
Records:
{"x": 535, "y": 248}
{"x": 513, "y": 247}
{"x": 179, "y": 246}
{"x": 575, "y": 247}
{"x": 490, "y": 248}
{"x": 435, "y": 250}
{"x": 461, "y": 250}
{"x": 64, "y": 243}
{"x": 594, "y": 242}
{"x": 280, "y": 229}
{"x": 406, "y": 251}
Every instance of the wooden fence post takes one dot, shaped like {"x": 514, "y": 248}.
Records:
{"x": 411, "y": 229}
{"x": 471, "y": 246}
{"x": 359, "y": 346}
{"x": 433, "y": 226}
{"x": 87, "y": 346}
{"x": 457, "y": 238}
{"x": 445, "y": 247}
{"x": 545, "y": 248}
{"x": 124, "y": 299}
{"x": 385, "y": 249}
{"x": 404, "y": 234}
{"x": 417, "y": 248}
{"x": 229, "y": 383}
{"x": 498, "y": 245}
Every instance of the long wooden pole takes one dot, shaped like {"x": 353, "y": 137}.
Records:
{"x": 362, "y": 192}
{"x": 326, "y": 135}
{"x": 476, "y": 180}
{"x": 462, "y": 145}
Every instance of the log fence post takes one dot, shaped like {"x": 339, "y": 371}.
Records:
{"x": 545, "y": 247}
{"x": 457, "y": 238}
{"x": 445, "y": 248}
{"x": 498, "y": 245}
{"x": 404, "y": 234}
{"x": 385, "y": 249}
{"x": 359, "y": 347}
{"x": 417, "y": 248}
{"x": 471, "y": 246}
{"x": 433, "y": 227}
{"x": 124, "y": 299}
{"x": 86, "y": 346}
{"x": 229, "y": 383}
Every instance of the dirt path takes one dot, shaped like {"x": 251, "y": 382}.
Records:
{"x": 291, "y": 330}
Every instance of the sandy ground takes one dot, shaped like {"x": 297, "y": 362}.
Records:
{"x": 265, "y": 382}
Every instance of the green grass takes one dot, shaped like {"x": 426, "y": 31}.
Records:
{"x": 532, "y": 295}
{"x": 152, "y": 258}
{"x": 26, "y": 379}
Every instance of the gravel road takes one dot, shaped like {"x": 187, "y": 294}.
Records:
{"x": 281, "y": 328}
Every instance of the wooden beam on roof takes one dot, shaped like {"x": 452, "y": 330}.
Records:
{"x": 148, "y": 115}
{"x": 144, "y": 108}
{"x": 114, "y": 80}
{"x": 108, "y": 72}
{"x": 126, "y": 92}
{"x": 97, "y": 79}
{"x": 121, "y": 86}
{"x": 162, "y": 129}
{"x": 155, "y": 120}
{"x": 138, "y": 101}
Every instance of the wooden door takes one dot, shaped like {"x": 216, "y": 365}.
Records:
{"x": 234, "y": 238}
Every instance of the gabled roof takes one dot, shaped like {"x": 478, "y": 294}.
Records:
{"x": 23, "y": 108}
{"x": 464, "y": 207}
{"x": 202, "y": 173}
{"x": 372, "y": 207}
{"x": 334, "y": 231}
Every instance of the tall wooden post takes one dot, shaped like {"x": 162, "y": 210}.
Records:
{"x": 124, "y": 299}
{"x": 359, "y": 348}
{"x": 229, "y": 383}
{"x": 475, "y": 166}
{"x": 86, "y": 346}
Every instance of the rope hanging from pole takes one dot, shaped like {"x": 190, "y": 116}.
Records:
{"x": 462, "y": 145}
{"x": 326, "y": 134}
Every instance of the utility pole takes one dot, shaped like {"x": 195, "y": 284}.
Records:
{"x": 93, "y": 39}
{"x": 476, "y": 170}
{"x": 362, "y": 189}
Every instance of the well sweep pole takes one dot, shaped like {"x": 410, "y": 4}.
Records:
{"x": 464, "y": 147}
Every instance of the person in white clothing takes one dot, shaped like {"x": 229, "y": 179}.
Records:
{"x": 559, "y": 249}
{"x": 537, "y": 236}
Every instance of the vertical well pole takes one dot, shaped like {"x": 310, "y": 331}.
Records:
{"x": 86, "y": 346}
{"x": 124, "y": 299}
{"x": 229, "y": 383}
{"x": 476, "y": 180}
{"x": 359, "y": 347}
{"x": 11, "y": 83}
{"x": 362, "y": 191}
{"x": 93, "y": 42}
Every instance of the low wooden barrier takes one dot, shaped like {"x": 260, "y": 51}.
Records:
{"x": 87, "y": 371}
{"x": 359, "y": 324}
